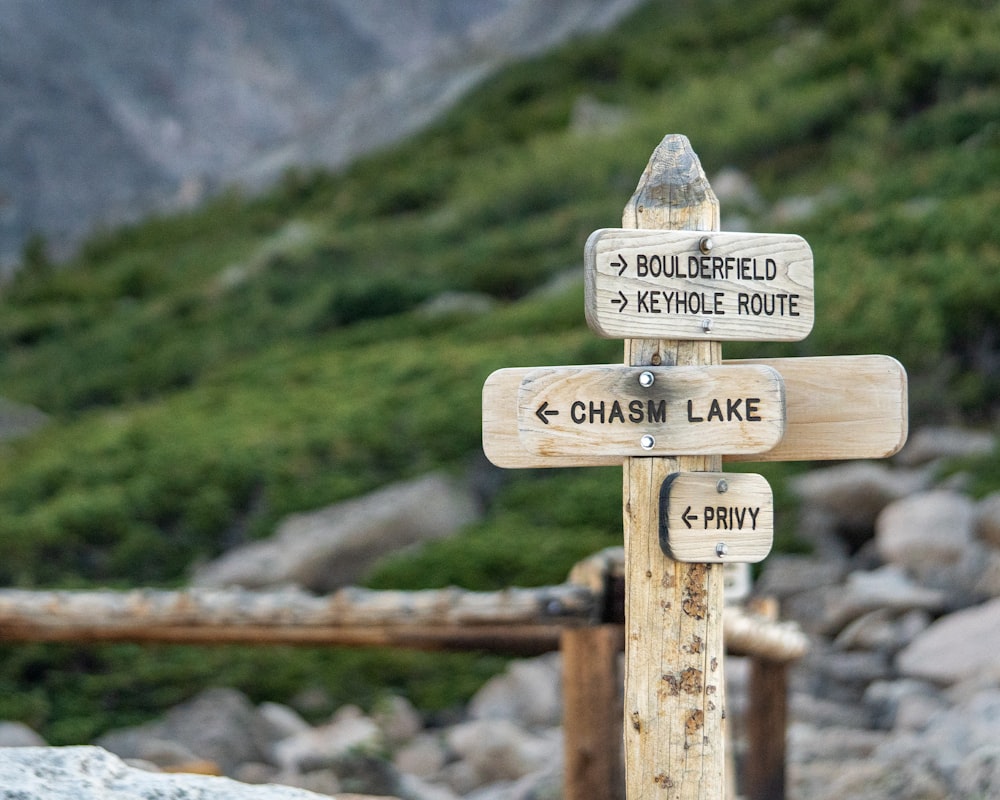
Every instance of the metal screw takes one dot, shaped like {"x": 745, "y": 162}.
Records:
{"x": 706, "y": 325}
{"x": 647, "y": 442}
{"x": 722, "y": 486}
{"x": 721, "y": 549}
{"x": 646, "y": 378}
{"x": 706, "y": 244}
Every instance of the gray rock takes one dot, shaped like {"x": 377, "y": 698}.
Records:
{"x": 284, "y": 721}
{"x": 854, "y": 494}
{"x": 348, "y": 731}
{"x": 220, "y": 725}
{"x": 829, "y": 609}
{"x": 423, "y": 756}
{"x": 902, "y": 704}
{"x": 497, "y": 750}
{"x": 956, "y": 647}
{"x": 397, "y": 719}
{"x": 883, "y": 629}
{"x": 931, "y": 444}
{"x": 334, "y": 547}
{"x": 17, "y": 734}
{"x": 90, "y": 773}
{"x": 787, "y": 575}
{"x": 924, "y": 532}
{"x": 528, "y": 693}
{"x": 456, "y": 304}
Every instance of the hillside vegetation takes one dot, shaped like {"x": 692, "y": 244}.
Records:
{"x": 208, "y": 373}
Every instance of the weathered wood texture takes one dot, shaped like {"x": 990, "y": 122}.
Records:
{"x": 703, "y": 512}
{"x": 588, "y": 410}
{"x": 671, "y": 283}
{"x": 516, "y": 621}
{"x": 592, "y": 713}
{"x": 674, "y": 687}
{"x": 837, "y": 407}
{"x": 430, "y": 619}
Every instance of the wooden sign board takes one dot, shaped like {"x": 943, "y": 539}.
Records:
{"x": 836, "y": 407}
{"x": 720, "y": 286}
{"x": 649, "y": 411}
{"x": 716, "y": 517}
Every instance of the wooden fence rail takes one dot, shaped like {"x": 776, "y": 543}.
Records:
{"x": 583, "y": 618}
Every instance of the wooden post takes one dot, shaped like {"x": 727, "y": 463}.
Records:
{"x": 674, "y": 688}
{"x": 591, "y": 712}
{"x": 766, "y": 724}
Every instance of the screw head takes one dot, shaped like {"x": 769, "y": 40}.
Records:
{"x": 647, "y": 442}
{"x": 706, "y": 325}
{"x": 721, "y": 549}
{"x": 722, "y": 486}
{"x": 646, "y": 378}
{"x": 706, "y": 244}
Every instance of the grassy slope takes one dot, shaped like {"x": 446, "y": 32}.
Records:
{"x": 211, "y": 372}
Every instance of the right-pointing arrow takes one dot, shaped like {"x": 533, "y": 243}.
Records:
{"x": 621, "y": 300}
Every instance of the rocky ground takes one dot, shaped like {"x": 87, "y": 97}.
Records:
{"x": 899, "y": 696}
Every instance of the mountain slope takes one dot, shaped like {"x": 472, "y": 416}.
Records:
{"x": 114, "y": 110}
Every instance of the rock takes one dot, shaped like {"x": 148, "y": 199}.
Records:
{"x": 424, "y": 756}
{"x": 787, "y": 575}
{"x": 590, "y": 116}
{"x": 17, "y": 734}
{"x": 90, "y": 773}
{"x": 397, "y": 719}
{"x": 414, "y": 788}
{"x": 348, "y": 731}
{"x": 832, "y": 743}
{"x": 902, "y": 704}
{"x": 956, "y": 647}
{"x": 528, "y": 692}
{"x": 931, "y": 444}
{"x": 855, "y": 493}
{"x": 733, "y": 187}
{"x": 882, "y": 629}
{"x": 456, "y": 304}
{"x": 219, "y": 724}
{"x": 497, "y": 750}
{"x": 284, "y": 721}
{"x": 828, "y": 609}
{"x": 335, "y": 546}
{"x": 924, "y": 532}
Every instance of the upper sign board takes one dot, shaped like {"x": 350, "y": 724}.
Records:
{"x": 661, "y": 284}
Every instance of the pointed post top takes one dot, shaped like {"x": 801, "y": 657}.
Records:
{"x": 673, "y": 192}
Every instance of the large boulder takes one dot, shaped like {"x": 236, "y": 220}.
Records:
{"x": 90, "y": 773}
{"x": 333, "y": 547}
{"x": 957, "y": 647}
{"x": 220, "y": 726}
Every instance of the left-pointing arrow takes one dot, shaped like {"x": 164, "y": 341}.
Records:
{"x": 687, "y": 516}
{"x": 544, "y": 412}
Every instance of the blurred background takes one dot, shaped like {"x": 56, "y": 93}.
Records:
{"x": 259, "y": 258}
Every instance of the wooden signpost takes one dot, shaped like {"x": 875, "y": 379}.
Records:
{"x": 674, "y": 287}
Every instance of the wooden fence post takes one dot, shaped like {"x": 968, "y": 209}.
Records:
{"x": 592, "y": 713}
{"x": 674, "y": 687}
